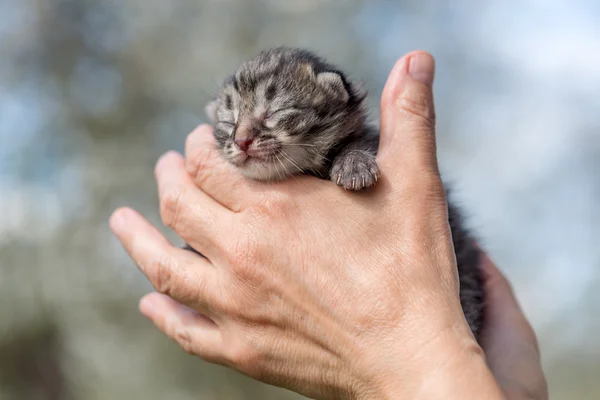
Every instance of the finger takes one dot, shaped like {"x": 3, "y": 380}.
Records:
{"x": 502, "y": 308}
{"x": 187, "y": 277}
{"x": 508, "y": 339}
{"x": 195, "y": 333}
{"x": 215, "y": 176}
{"x": 408, "y": 117}
{"x": 192, "y": 214}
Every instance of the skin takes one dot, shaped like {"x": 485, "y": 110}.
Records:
{"x": 324, "y": 292}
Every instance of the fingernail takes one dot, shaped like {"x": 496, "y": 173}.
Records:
{"x": 421, "y": 68}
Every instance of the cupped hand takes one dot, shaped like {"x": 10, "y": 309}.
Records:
{"x": 305, "y": 286}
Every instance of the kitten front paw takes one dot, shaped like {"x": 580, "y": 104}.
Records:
{"x": 355, "y": 170}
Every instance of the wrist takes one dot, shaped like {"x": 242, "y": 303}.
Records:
{"x": 452, "y": 366}
{"x": 459, "y": 373}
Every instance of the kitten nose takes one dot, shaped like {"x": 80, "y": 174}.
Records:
{"x": 244, "y": 143}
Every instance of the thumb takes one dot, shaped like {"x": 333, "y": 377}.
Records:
{"x": 408, "y": 116}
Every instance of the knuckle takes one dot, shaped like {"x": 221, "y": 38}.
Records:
{"x": 418, "y": 105}
{"x": 248, "y": 274}
{"x": 244, "y": 267}
{"x": 245, "y": 357}
{"x": 245, "y": 253}
{"x": 162, "y": 275}
{"x": 171, "y": 205}
{"x": 182, "y": 336}
{"x": 201, "y": 163}
{"x": 230, "y": 306}
{"x": 231, "y": 301}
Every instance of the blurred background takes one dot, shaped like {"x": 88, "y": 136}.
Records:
{"x": 93, "y": 91}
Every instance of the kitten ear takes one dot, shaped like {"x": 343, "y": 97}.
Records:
{"x": 360, "y": 90}
{"x": 333, "y": 82}
{"x": 211, "y": 110}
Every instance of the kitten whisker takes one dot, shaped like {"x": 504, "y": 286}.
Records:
{"x": 324, "y": 158}
{"x": 318, "y": 173}
{"x": 290, "y": 173}
{"x": 285, "y": 169}
{"x": 277, "y": 167}
{"x": 287, "y": 157}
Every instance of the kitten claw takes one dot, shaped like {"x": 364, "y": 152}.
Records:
{"x": 355, "y": 170}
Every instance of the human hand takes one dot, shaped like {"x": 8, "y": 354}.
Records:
{"x": 508, "y": 340}
{"x": 305, "y": 286}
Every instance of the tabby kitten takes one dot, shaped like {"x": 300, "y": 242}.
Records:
{"x": 287, "y": 111}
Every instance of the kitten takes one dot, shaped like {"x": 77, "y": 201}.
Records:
{"x": 287, "y": 111}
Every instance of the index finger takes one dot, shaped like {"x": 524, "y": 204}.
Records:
{"x": 212, "y": 174}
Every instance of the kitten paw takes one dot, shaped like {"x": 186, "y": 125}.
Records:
{"x": 356, "y": 170}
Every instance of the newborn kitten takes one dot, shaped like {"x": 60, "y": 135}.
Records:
{"x": 287, "y": 111}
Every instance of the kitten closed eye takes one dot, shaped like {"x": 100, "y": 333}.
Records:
{"x": 271, "y": 114}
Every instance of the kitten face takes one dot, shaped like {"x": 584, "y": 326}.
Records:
{"x": 282, "y": 112}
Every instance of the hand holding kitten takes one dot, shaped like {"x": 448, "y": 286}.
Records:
{"x": 288, "y": 111}
{"x": 288, "y": 297}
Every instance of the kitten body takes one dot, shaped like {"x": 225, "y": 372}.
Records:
{"x": 287, "y": 111}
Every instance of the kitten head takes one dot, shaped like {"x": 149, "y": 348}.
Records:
{"x": 282, "y": 112}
